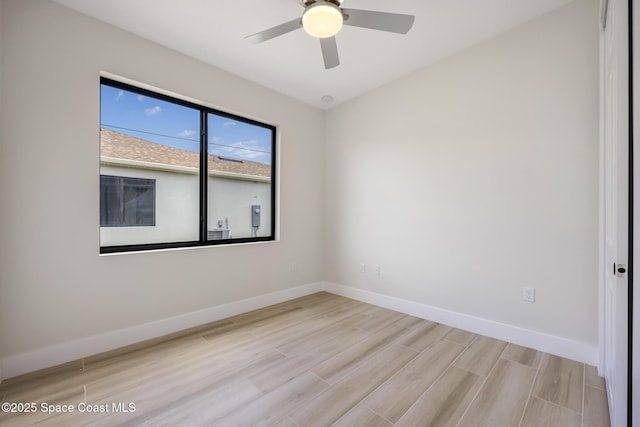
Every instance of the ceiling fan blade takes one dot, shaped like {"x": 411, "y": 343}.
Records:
{"x": 276, "y": 31}
{"x": 383, "y": 21}
{"x": 329, "y": 52}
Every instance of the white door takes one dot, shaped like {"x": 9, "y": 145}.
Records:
{"x": 615, "y": 154}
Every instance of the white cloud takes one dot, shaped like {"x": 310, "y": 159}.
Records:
{"x": 187, "y": 133}
{"x": 140, "y": 98}
{"x": 227, "y": 124}
{"x": 248, "y": 150}
{"x": 120, "y": 95}
{"x": 152, "y": 111}
{"x": 251, "y": 144}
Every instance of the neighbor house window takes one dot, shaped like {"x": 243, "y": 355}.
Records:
{"x": 174, "y": 173}
{"x": 127, "y": 202}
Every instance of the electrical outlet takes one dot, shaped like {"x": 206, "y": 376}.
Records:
{"x": 363, "y": 267}
{"x": 529, "y": 294}
{"x": 378, "y": 270}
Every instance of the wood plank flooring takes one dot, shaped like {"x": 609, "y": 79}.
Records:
{"x": 320, "y": 360}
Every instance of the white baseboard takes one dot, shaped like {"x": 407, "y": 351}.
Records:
{"x": 12, "y": 366}
{"x": 73, "y": 350}
{"x": 547, "y": 343}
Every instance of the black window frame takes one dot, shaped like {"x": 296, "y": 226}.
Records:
{"x": 203, "y": 176}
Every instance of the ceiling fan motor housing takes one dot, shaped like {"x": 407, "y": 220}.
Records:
{"x": 310, "y": 2}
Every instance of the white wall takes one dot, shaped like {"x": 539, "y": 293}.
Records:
{"x": 54, "y": 285}
{"x": 233, "y": 198}
{"x": 475, "y": 177}
{"x": 2, "y": 154}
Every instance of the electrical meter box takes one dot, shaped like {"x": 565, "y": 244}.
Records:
{"x": 255, "y": 215}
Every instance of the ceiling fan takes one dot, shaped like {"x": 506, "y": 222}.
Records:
{"x": 323, "y": 19}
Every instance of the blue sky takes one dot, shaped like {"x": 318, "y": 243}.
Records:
{"x": 177, "y": 126}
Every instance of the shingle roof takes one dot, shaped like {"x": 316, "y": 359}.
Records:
{"x": 121, "y": 146}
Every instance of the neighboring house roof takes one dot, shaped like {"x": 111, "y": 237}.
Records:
{"x": 116, "y": 145}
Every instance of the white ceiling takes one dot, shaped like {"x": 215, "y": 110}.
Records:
{"x": 213, "y": 31}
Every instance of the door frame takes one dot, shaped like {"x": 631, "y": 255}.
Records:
{"x": 633, "y": 397}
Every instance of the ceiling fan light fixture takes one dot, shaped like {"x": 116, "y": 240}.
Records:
{"x": 322, "y": 19}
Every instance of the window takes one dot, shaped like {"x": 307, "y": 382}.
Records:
{"x": 175, "y": 174}
{"x": 126, "y": 202}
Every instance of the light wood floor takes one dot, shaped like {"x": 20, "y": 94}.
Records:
{"x": 316, "y": 361}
